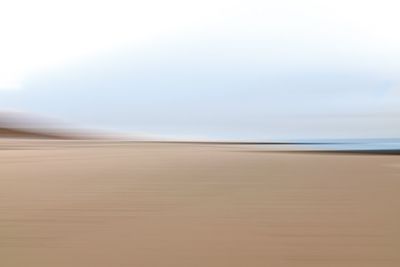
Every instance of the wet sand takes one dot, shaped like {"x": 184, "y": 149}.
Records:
{"x": 196, "y": 205}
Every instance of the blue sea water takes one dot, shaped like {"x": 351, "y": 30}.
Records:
{"x": 357, "y": 145}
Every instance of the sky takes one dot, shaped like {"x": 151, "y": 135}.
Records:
{"x": 254, "y": 70}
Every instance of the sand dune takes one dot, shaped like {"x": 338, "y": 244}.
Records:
{"x": 19, "y": 125}
{"x": 196, "y": 205}
{"x": 30, "y": 134}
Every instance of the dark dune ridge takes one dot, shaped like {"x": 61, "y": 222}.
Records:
{"x": 30, "y": 134}
{"x": 18, "y": 125}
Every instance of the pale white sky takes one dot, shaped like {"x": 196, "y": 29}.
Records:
{"x": 298, "y": 56}
{"x": 37, "y": 35}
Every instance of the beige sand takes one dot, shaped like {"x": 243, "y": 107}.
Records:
{"x": 196, "y": 205}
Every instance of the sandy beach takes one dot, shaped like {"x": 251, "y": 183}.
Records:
{"x": 149, "y": 205}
